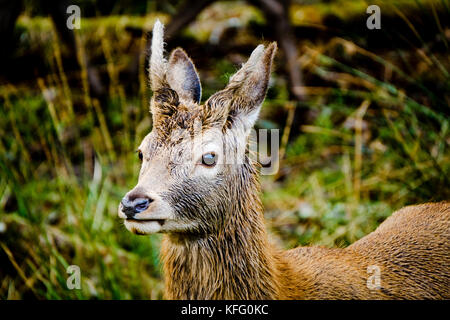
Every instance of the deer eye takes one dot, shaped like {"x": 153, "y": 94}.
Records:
{"x": 209, "y": 159}
{"x": 140, "y": 155}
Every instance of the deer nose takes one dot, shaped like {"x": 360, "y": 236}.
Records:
{"x": 131, "y": 206}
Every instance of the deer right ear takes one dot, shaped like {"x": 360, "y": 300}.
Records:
{"x": 170, "y": 81}
{"x": 182, "y": 76}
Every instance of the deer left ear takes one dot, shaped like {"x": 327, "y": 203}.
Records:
{"x": 182, "y": 76}
{"x": 244, "y": 94}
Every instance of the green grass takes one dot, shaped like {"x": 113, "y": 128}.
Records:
{"x": 64, "y": 210}
{"x": 374, "y": 144}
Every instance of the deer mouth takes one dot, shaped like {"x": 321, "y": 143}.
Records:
{"x": 160, "y": 221}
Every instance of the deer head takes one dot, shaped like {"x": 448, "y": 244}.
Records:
{"x": 194, "y": 166}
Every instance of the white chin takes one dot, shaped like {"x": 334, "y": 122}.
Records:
{"x": 144, "y": 227}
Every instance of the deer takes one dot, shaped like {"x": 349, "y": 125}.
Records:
{"x": 215, "y": 244}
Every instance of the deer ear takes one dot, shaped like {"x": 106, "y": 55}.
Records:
{"x": 182, "y": 76}
{"x": 157, "y": 63}
{"x": 246, "y": 89}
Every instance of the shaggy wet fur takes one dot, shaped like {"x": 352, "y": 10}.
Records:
{"x": 217, "y": 246}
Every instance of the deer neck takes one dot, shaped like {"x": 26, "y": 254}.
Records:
{"x": 236, "y": 263}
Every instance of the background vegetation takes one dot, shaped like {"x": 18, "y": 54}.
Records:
{"x": 373, "y": 134}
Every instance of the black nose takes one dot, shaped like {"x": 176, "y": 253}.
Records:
{"x": 132, "y": 206}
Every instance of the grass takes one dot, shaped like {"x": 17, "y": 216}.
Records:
{"x": 377, "y": 139}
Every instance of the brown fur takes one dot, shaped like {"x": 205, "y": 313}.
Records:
{"x": 215, "y": 244}
{"x": 411, "y": 247}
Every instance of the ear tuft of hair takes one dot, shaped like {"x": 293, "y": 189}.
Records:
{"x": 166, "y": 102}
{"x": 158, "y": 64}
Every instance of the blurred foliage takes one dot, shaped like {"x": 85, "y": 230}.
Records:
{"x": 375, "y": 138}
